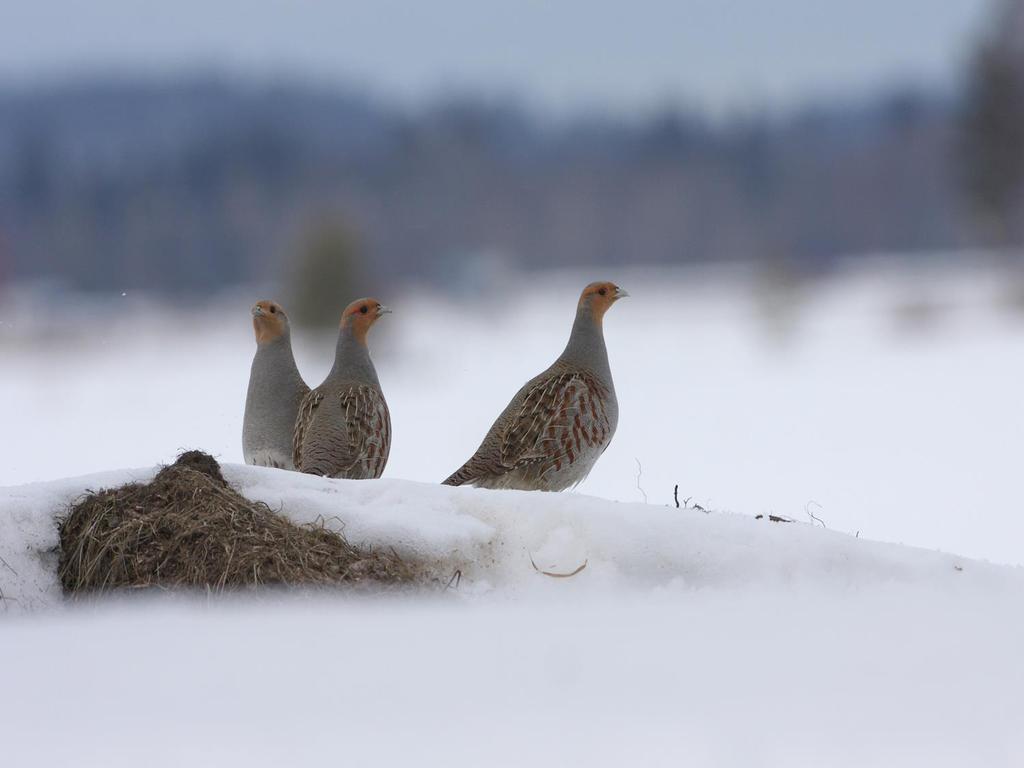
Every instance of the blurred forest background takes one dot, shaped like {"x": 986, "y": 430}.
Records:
{"x": 189, "y": 185}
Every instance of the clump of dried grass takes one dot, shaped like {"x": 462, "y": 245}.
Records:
{"x": 189, "y": 528}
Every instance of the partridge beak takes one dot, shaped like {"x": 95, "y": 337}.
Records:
{"x": 620, "y": 294}
{"x": 257, "y": 310}
{"x": 382, "y": 310}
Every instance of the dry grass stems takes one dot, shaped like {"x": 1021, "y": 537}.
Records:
{"x": 189, "y": 529}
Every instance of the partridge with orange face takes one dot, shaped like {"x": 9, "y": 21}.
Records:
{"x": 343, "y": 427}
{"x": 557, "y": 426}
{"x": 275, "y": 390}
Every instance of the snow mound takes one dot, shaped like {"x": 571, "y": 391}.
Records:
{"x": 28, "y": 534}
{"x": 500, "y": 541}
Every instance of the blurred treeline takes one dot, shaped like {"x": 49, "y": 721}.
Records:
{"x": 197, "y": 184}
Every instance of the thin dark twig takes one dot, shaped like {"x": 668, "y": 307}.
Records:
{"x": 8, "y": 566}
{"x": 675, "y": 495}
{"x": 639, "y": 473}
{"x": 4, "y": 599}
{"x": 456, "y": 578}
{"x": 814, "y": 517}
{"x": 686, "y": 505}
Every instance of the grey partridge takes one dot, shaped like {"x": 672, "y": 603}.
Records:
{"x": 275, "y": 390}
{"x": 343, "y": 428}
{"x": 557, "y": 426}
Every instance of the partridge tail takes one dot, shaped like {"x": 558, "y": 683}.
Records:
{"x": 457, "y": 478}
{"x": 464, "y": 475}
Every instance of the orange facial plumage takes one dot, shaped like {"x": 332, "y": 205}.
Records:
{"x": 269, "y": 321}
{"x": 600, "y": 296}
{"x": 360, "y": 315}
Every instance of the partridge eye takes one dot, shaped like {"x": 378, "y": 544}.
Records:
{"x": 603, "y": 291}
{"x": 273, "y": 310}
{"x": 364, "y": 309}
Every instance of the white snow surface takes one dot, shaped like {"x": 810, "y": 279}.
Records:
{"x": 903, "y": 677}
{"x": 691, "y": 638}
{"x": 491, "y": 537}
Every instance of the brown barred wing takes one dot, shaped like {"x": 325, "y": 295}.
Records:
{"x": 369, "y": 426}
{"x": 307, "y": 409}
{"x": 347, "y": 435}
{"x": 560, "y": 420}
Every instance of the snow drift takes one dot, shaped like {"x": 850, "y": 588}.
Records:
{"x": 689, "y": 639}
{"x": 500, "y": 541}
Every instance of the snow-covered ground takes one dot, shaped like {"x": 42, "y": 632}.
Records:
{"x": 896, "y": 677}
{"x": 689, "y": 638}
{"x": 886, "y": 402}
{"x": 491, "y": 538}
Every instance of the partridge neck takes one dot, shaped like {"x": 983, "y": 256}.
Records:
{"x": 586, "y": 347}
{"x": 274, "y": 360}
{"x": 352, "y": 358}
{"x": 280, "y": 346}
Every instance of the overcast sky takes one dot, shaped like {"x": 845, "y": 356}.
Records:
{"x": 717, "y": 55}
